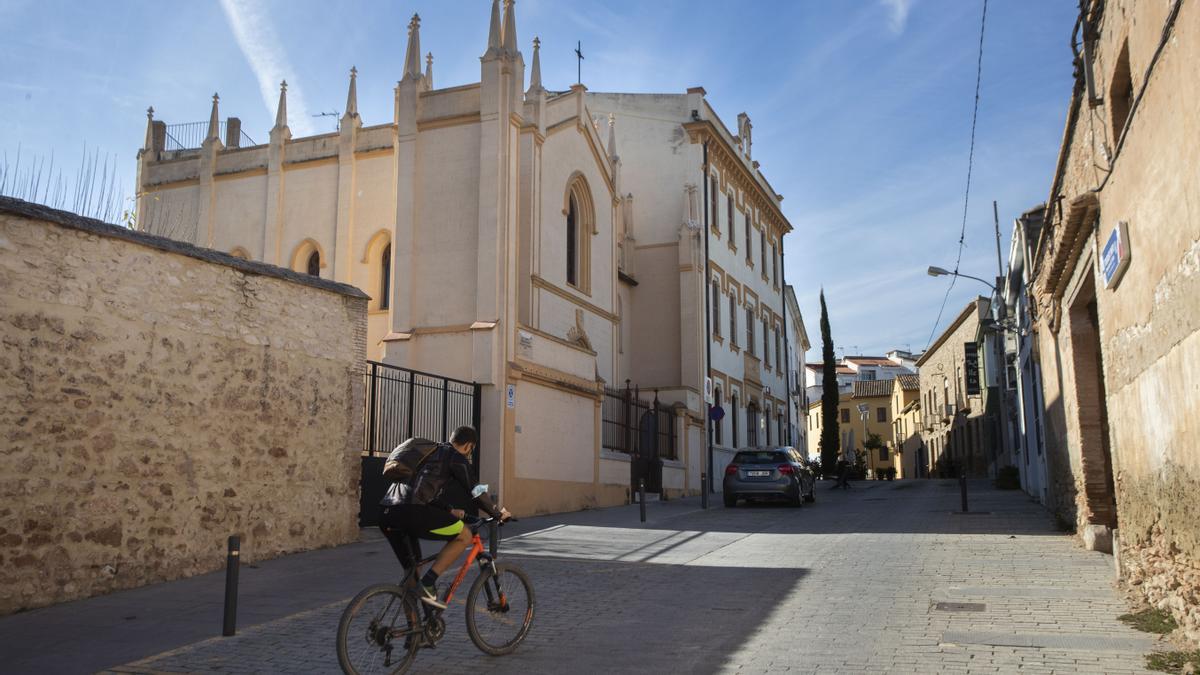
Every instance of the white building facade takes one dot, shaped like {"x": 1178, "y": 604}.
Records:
{"x": 505, "y": 241}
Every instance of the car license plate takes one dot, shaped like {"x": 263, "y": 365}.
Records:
{"x": 757, "y": 474}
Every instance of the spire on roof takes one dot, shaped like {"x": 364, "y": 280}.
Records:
{"x": 508, "y": 36}
{"x": 149, "y": 128}
{"x": 214, "y": 126}
{"x": 352, "y": 94}
{"x": 412, "y": 56}
{"x": 535, "y": 71}
{"x": 612, "y": 138}
{"x": 281, "y": 110}
{"x": 493, "y": 45}
{"x": 429, "y": 69}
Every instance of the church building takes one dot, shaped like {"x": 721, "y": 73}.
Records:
{"x": 505, "y": 241}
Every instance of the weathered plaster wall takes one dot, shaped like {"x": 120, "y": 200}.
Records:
{"x": 159, "y": 398}
{"x": 1149, "y": 325}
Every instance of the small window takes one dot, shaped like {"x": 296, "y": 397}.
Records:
{"x": 1120, "y": 94}
{"x": 733, "y": 318}
{"x": 749, "y": 244}
{"x": 750, "y": 321}
{"x": 762, "y": 248}
{"x": 766, "y": 346}
{"x": 881, "y": 414}
{"x": 845, "y": 414}
{"x": 716, "y": 307}
{"x": 714, "y": 196}
{"x": 883, "y": 454}
{"x": 314, "y": 264}
{"x": 385, "y": 277}
{"x": 729, "y": 209}
{"x": 868, "y": 375}
{"x": 774, "y": 266}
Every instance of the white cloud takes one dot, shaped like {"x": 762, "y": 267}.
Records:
{"x": 260, "y": 45}
{"x": 899, "y": 13}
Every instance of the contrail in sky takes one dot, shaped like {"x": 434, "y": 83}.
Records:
{"x": 263, "y": 51}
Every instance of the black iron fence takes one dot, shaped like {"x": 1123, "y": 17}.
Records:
{"x": 628, "y": 422}
{"x": 403, "y": 403}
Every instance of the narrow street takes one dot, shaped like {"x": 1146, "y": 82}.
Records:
{"x": 849, "y": 584}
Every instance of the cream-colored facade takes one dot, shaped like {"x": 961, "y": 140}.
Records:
{"x": 744, "y": 251}
{"x": 857, "y": 426}
{"x": 955, "y": 428}
{"x": 504, "y": 240}
{"x": 910, "y": 452}
{"x": 1116, "y": 281}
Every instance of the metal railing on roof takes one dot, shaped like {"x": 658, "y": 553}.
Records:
{"x": 191, "y": 135}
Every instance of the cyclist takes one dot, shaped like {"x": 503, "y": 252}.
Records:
{"x": 431, "y": 506}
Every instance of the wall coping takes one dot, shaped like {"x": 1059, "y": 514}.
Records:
{"x": 18, "y": 207}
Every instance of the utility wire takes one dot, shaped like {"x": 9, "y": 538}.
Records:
{"x": 962, "y": 236}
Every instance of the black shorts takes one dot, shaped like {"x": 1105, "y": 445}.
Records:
{"x": 404, "y": 524}
{"x": 418, "y": 520}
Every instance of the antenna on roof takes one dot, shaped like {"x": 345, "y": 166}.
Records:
{"x": 337, "y": 117}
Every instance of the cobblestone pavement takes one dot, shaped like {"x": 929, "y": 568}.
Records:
{"x": 882, "y": 578}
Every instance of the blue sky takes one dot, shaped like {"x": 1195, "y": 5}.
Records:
{"x": 861, "y": 108}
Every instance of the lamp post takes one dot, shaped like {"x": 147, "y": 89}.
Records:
{"x": 939, "y": 272}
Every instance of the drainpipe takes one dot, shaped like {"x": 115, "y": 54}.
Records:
{"x": 707, "y": 292}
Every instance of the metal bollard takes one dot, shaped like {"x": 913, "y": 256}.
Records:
{"x": 703, "y": 490}
{"x": 232, "y": 564}
{"x": 962, "y": 486}
{"x": 642, "y": 497}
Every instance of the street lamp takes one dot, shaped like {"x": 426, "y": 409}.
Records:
{"x": 939, "y": 272}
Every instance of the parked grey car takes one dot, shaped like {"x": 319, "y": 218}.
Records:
{"x": 770, "y": 473}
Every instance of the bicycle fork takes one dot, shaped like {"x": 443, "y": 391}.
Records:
{"x": 496, "y": 600}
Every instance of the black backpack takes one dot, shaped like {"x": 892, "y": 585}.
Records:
{"x": 410, "y": 456}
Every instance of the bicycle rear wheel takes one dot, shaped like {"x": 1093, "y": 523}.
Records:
{"x": 379, "y": 631}
{"x": 499, "y": 609}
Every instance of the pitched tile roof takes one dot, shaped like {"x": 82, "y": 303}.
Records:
{"x": 909, "y": 382}
{"x": 872, "y": 388}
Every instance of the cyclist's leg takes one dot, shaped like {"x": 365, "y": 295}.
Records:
{"x": 430, "y": 522}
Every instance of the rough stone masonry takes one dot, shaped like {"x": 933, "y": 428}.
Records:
{"x": 157, "y": 398}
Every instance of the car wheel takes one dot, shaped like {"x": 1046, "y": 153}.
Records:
{"x": 730, "y": 500}
{"x": 811, "y": 497}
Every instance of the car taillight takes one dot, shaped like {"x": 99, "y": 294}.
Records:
{"x": 731, "y": 470}
{"x": 786, "y": 468}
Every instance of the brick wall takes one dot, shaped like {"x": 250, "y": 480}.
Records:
{"x": 159, "y": 398}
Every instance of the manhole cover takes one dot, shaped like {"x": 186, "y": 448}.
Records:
{"x": 960, "y": 607}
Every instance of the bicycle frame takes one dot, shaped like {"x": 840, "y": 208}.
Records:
{"x": 475, "y": 552}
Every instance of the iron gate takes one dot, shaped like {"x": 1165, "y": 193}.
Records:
{"x": 403, "y": 403}
{"x": 645, "y": 430}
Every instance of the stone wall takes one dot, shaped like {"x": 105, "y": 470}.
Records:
{"x": 1128, "y": 437}
{"x": 158, "y": 398}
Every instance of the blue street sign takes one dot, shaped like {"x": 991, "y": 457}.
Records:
{"x": 716, "y": 413}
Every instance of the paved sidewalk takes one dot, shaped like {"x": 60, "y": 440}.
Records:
{"x": 881, "y": 579}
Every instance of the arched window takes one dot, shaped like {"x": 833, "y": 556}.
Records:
{"x": 308, "y": 258}
{"x": 580, "y": 223}
{"x": 385, "y": 277}
{"x": 572, "y": 242}
{"x": 752, "y": 425}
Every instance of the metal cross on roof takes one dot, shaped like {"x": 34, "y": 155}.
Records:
{"x": 578, "y": 62}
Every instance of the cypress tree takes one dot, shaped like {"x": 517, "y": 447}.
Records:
{"x": 830, "y": 433}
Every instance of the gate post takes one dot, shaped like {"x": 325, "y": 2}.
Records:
{"x": 445, "y": 409}
{"x": 371, "y": 384}
{"x": 412, "y": 399}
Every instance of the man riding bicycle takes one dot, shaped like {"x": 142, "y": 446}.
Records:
{"x": 430, "y": 505}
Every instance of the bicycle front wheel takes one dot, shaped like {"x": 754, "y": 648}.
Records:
{"x": 379, "y": 632}
{"x": 499, "y": 609}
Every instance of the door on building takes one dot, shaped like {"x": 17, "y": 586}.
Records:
{"x": 1088, "y": 362}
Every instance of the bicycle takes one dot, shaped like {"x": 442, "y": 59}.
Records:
{"x": 367, "y": 637}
